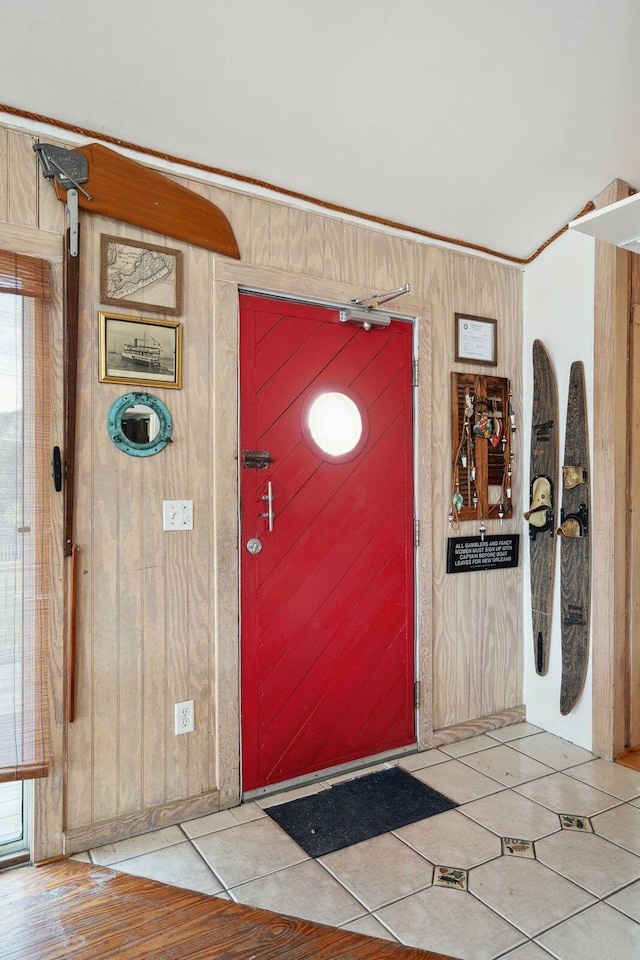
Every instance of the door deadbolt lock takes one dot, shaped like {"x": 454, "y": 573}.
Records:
{"x": 254, "y": 545}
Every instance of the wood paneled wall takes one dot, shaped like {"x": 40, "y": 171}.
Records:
{"x": 610, "y": 524}
{"x": 158, "y": 612}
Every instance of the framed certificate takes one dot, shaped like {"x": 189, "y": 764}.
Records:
{"x": 476, "y": 339}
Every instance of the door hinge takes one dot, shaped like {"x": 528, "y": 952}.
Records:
{"x": 416, "y": 377}
{"x": 416, "y": 693}
{"x": 416, "y": 532}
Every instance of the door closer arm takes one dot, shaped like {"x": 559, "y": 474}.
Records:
{"x": 364, "y": 311}
{"x": 378, "y": 298}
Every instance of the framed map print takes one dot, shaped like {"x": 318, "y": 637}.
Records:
{"x": 134, "y": 274}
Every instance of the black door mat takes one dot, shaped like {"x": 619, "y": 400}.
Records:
{"x": 357, "y": 810}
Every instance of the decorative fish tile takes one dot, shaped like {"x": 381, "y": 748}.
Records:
{"x": 518, "y": 848}
{"x": 451, "y": 877}
{"x": 571, "y": 822}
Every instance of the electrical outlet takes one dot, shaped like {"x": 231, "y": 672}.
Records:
{"x": 184, "y": 719}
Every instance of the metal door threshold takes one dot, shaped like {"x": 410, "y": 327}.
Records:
{"x": 354, "y": 766}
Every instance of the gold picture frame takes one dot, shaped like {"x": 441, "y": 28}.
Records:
{"x": 140, "y": 350}
{"x": 139, "y": 275}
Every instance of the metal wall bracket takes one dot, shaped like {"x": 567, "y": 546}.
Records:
{"x": 68, "y": 167}
{"x": 74, "y": 234}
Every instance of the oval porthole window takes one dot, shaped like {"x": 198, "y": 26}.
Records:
{"x": 335, "y": 424}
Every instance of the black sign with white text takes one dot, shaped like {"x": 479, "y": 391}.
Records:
{"x": 465, "y": 554}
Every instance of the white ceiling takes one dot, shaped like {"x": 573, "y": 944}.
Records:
{"x": 488, "y": 121}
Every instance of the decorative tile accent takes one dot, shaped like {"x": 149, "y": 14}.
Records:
{"x": 518, "y": 848}
{"x": 570, "y": 822}
{"x": 451, "y": 877}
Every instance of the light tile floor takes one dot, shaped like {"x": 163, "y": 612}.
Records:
{"x": 540, "y": 859}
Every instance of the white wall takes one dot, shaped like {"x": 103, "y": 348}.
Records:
{"x": 558, "y": 309}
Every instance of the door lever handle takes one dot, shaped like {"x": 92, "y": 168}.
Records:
{"x": 269, "y": 515}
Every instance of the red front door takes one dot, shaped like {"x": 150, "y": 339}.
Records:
{"x": 327, "y": 595}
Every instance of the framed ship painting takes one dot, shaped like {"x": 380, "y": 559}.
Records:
{"x": 140, "y": 351}
{"x": 140, "y": 275}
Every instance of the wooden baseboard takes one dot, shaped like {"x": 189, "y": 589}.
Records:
{"x": 473, "y": 728}
{"x": 79, "y": 839}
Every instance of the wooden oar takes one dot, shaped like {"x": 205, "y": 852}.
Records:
{"x": 126, "y": 190}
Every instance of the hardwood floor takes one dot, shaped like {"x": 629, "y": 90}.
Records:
{"x": 75, "y": 911}
{"x": 630, "y": 758}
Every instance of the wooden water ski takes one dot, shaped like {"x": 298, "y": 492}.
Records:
{"x": 540, "y": 516}
{"x": 126, "y": 190}
{"x": 575, "y": 551}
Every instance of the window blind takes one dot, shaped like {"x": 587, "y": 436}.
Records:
{"x": 24, "y": 276}
{"x": 24, "y": 517}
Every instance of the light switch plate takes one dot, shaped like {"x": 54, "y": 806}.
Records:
{"x": 177, "y": 515}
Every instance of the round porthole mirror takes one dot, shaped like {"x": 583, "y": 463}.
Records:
{"x": 139, "y": 424}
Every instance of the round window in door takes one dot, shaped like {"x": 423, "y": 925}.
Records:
{"x": 335, "y": 423}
